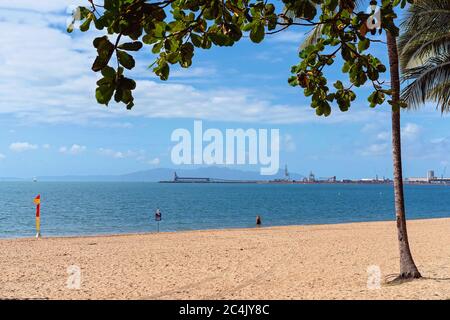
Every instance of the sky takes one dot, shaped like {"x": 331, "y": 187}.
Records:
{"x": 50, "y": 123}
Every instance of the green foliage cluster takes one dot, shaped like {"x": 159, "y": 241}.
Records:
{"x": 174, "y": 29}
{"x": 345, "y": 33}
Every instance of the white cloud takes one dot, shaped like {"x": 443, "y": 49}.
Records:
{"x": 381, "y": 142}
{"x": 376, "y": 149}
{"x": 370, "y": 127}
{"x": 197, "y": 72}
{"x": 295, "y": 37}
{"x": 46, "y": 146}
{"x": 50, "y": 81}
{"x": 268, "y": 56}
{"x": 22, "y": 146}
{"x": 155, "y": 100}
{"x": 109, "y": 153}
{"x": 41, "y": 5}
{"x": 289, "y": 143}
{"x": 73, "y": 150}
{"x": 439, "y": 146}
{"x": 117, "y": 154}
{"x": 139, "y": 155}
{"x": 410, "y": 131}
{"x": 154, "y": 162}
{"x": 384, "y": 135}
{"x": 417, "y": 146}
{"x": 2, "y": 156}
{"x": 438, "y": 140}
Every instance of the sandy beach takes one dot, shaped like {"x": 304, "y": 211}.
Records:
{"x": 295, "y": 262}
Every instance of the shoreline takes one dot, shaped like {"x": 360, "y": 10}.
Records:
{"x": 328, "y": 261}
{"x": 262, "y": 182}
{"x": 107, "y": 235}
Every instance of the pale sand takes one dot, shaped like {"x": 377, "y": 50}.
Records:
{"x": 296, "y": 262}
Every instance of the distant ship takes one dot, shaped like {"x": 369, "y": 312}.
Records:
{"x": 34, "y": 179}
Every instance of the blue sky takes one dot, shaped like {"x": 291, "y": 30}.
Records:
{"x": 50, "y": 123}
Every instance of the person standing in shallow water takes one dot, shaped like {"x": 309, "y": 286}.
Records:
{"x": 158, "y": 217}
{"x": 258, "y": 221}
{"x": 158, "y": 214}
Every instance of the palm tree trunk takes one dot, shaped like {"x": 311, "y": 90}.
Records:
{"x": 408, "y": 268}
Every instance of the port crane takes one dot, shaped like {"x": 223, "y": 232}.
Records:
{"x": 287, "y": 176}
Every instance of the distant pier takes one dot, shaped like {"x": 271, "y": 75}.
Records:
{"x": 311, "y": 179}
{"x": 178, "y": 179}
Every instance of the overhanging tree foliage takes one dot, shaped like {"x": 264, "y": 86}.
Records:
{"x": 174, "y": 29}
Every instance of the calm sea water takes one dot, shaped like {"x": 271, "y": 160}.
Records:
{"x": 104, "y": 208}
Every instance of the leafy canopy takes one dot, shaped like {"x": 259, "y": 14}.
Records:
{"x": 174, "y": 29}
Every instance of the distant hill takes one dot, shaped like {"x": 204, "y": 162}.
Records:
{"x": 10, "y": 179}
{"x": 154, "y": 175}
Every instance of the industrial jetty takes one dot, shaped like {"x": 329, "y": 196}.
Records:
{"x": 286, "y": 179}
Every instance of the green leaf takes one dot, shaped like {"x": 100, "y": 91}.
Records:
{"x": 125, "y": 59}
{"x": 127, "y": 96}
{"x": 108, "y": 72}
{"x": 127, "y": 84}
{"x": 99, "y": 64}
{"x": 86, "y": 24}
{"x": 162, "y": 71}
{"x": 363, "y": 45}
{"x": 338, "y": 85}
{"x": 131, "y": 46}
{"x": 196, "y": 40}
{"x": 257, "y": 33}
{"x": 118, "y": 95}
{"x": 104, "y": 81}
{"x": 157, "y": 47}
{"x": 104, "y": 93}
{"x": 105, "y": 50}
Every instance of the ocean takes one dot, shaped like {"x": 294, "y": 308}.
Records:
{"x": 92, "y": 208}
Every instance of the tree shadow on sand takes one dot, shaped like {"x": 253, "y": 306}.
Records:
{"x": 395, "y": 280}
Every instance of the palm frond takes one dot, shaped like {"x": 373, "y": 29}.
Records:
{"x": 441, "y": 95}
{"x": 430, "y": 82}
{"x": 424, "y": 49}
{"x": 427, "y": 15}
{"x": 419, "y": 48}
{"x": 315, "y": 34}
{"x": 426, "y": 31}
{"x": 312, "y": 37}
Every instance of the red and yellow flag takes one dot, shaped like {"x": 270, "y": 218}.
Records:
{"x": 37, "y": 202}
